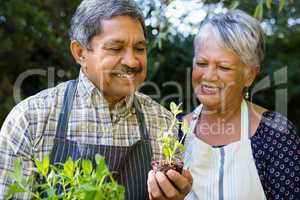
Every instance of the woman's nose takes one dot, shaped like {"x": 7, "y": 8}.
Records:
{"x": 210, "y": 73}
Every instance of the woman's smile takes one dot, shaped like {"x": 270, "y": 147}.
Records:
{"x": 208, "y": 89}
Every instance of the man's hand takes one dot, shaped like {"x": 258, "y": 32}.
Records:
{"x": 173, "y": 186}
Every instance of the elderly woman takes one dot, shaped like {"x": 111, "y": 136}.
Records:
{"x": 236, "y": 149}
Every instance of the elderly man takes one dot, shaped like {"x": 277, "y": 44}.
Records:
{"x": 100, "y": 111}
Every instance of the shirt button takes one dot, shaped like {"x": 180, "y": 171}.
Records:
{"x": 115, "y": 119}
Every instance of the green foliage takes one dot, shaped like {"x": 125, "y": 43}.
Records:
{"x": 234, "y": 5}
{"x": 259, "y": 11}
{"x": 78, "y": 181}
{"x": 269, "y": 4}
{"x": 171, "y": 147}
{"x": 33, "y": 35}
{"x": 281, "y": 5}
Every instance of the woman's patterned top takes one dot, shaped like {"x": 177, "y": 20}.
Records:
{"x": 276, "y": 150}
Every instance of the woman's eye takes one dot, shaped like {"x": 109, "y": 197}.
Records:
{"x": 224, "y": 68}
{"x": 115, "y": 49}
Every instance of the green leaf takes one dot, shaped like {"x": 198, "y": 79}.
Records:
{"x": 46, "y": 163}
{"x": 100, "y": 195}
{"x": 87, "y": 167}
{"x": 258, "y": 14}
{"x": 38, "y": 165}
{"x": 51, "y": 176}
{"x": 167, "y": 141}
{"x": 234, "y": 5}
{"x": 181, "y": 148}
{"x": 173, "y": 107}
{"x": 269, "y": 4}
{"x": 91, "y": 195}
{"x": 17, "y": 174}
{"x": 51, "y": 193}
{"x": 69, "y": 168}
{"x": 31, "y": 178}
{"x": 281, "y": 5}
{"x": 76, "y": 163}
{"x": 167, "y": 152}
{"x": 101, "y": 169}
{"x": 99, "y": 159}
{"x": 184, "y": 127}
{"x": 13, "y": 189}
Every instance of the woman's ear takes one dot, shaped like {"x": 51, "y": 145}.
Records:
{"x": 251, "y": 75}
{"x": 77, "y": 52}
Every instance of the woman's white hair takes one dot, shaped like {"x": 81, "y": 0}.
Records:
{"x": 237, "y": 31}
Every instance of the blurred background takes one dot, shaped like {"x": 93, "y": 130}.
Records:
{"x": 34, "y": 49}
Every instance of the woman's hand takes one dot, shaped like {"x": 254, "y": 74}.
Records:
{"x": 173, "y": 186}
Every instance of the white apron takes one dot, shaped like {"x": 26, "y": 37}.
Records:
{"x": 223, "y": 173}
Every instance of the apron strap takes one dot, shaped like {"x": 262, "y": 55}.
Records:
{"x": 249, "y": 121}
{"x": 245, "y": 130}
{"x": 141, "y": 119}
{"x": 143, "y": 130}
{"x": 195, "y": 116}
{"x": 66, "y": 109}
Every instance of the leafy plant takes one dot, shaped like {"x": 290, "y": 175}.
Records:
{"x": 171, "y": 147}
{"x": 76, "y": 180}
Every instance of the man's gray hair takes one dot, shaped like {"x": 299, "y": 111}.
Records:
{"x": 237, "y": 31}
{"x": 86, "y": 22}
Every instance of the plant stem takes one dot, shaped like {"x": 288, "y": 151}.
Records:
{"x": 29, "y": 191}
{"x": 172, "y": 124}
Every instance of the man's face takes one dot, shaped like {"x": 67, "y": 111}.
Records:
{"x": 117, "y": 63}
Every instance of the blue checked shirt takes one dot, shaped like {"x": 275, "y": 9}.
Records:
{"x": 29, "y": 130}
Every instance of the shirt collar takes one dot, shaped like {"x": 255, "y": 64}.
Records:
{"x": 85, "y": 86}
{"x": 87, "y": 89}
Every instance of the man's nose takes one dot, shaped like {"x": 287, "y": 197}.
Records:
{"x": 129, "y": 59}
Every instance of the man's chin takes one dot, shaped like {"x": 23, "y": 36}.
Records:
{"x": 125, "y": 92}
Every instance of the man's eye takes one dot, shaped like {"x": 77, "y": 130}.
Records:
{"x": 113, "y": 49}
{"x": 201, "y": 64}
{"x": 140, "y": 49}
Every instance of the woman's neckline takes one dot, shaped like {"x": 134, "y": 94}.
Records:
{"x": 263, "y": 115}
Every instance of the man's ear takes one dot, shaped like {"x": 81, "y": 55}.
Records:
{"x": 77, "y": 51}
{"x": 251, "y": 75}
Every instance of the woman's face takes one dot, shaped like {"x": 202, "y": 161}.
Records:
{"x": 219, "y": 77}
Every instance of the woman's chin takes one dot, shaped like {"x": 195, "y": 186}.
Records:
{"x": 210, "y": 101}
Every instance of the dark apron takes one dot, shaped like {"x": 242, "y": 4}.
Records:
{"x": 131, "y": 163}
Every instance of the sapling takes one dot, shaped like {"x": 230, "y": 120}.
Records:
{"x": 172, "y": 148}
